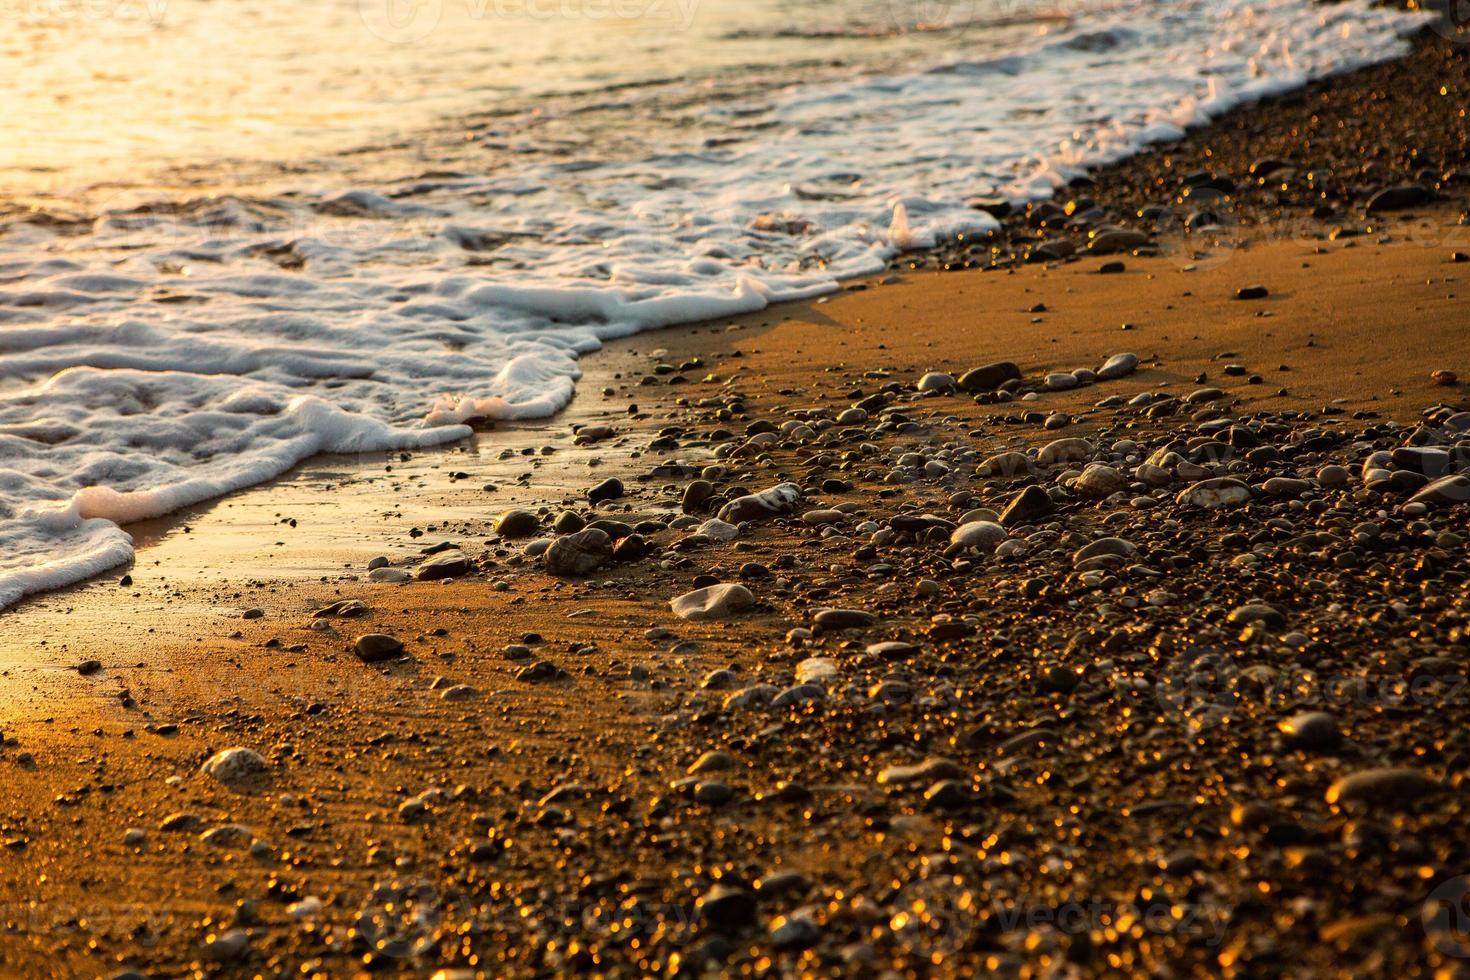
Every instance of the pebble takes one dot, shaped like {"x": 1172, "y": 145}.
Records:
{"x": 798, "y": 694}
{"x": 817, "y": 670}
{"x": 1311, "y": 730}
{"x": 236, "y": 767}
{"x": 373, "y": 648}
{"x": 1099, "y": 480}
{"x": 843, "y": 619}
{"x": 1446, "y": 491}
{"x": 696, "y": 495}
{"x": 712, "y": 761}
{"x": 1388, "y": 788}
{"x": 579, "y": 554}
{"x": 928, "y": 771}
{"x": 609, "y": 489}
{"x": 1026, "y": 506}
{"x": 1070, "y": 450}
{"x": 892, "y": 650}
{"x": 718, "y": 530}
{"x": 1258, "y": 612}
{"x": 713, "y": 602}
{"x": 517, "y": 524}
{"x": 761, "y": 506}
{"x": 446, "y": 564}
{"x": 797, "y": 931}
{"x": 726, "y": 908}
{"x": 1118, "y": 366}
{"x": 1214, "y": 493}
{"x": 978, "y": 535}
{"x": 989, "y": 377}
{"x": 936, "y": 381}
{"x": 229, "y": 835}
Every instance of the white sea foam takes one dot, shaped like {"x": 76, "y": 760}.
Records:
{"x": 173, "y": 355}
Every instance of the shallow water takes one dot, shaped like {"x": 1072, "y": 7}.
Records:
{"x": 116, "y": 90}
{"x": 532, "y": 189}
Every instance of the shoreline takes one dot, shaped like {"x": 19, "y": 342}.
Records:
{"x": 1081, "y": 219}
{"x": 1250, "y": 213}
{"x": 1035, "y": 740}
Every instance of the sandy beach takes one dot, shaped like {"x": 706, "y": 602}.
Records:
{"x": 1096, "y": 615}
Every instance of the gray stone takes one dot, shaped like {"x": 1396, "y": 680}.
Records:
{"x": 373, "y": 648}
{"x": 582, "y": 553}
{"x": 936, "y": 381}
{"x": 1100, "y": 480}
{"x": 517, "y": 524}
{"x": 761, "y": 506}
{"x": 446, "y": 564}
{"x": 1118, "y": 366}
{"x": 1026, "y": 506}
{"x": 1387, "y": 788}
{"x": 1070, "y": 450}
{"x": 981, "y": 535}
{"x": 845, "y": 619}
{"x": 236, "y": 767}
{"x": 929, "y": 771}
{"x": 1258, "y": 612}
{"x": 1222, "y": 491}
{"x": 1446, "y": 491}
{"x": 1310, "y": 730}
{"x": 989, "y": 377}
{"x": 713, "y": 602}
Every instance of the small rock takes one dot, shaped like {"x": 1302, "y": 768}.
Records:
{"x": 1100, "y": 480}
{"x": 373, "y": 648}
{"x": 1397, "y": 198}
{"x": 1117, "y": 366}
{"x": 989, "y": 377}
{"x": 929, "y": 771}
{"x": 236, "y": 767}
{"x": 844, "y": 619}
{"x": 936, "y": 381}
{"x": 1310, "y": 730}
{"x": 983, "y": 536}
{"x": 1065, "y": 451}
{"x": 517, "y": 524}
{"x": 725, "y": 908}
{"x": 609, "y": 489}
{"x": 446, "y": 564}
{"x": 762, "y": 506}
{"x": 1026, "y": 506}
{"x": 713, "y": 602}
{"x": 1221, "y": 491}
{"x": 575, "y": 555}
{"x": 1388, "y": 788}
{"x": 1258, "y": 612}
